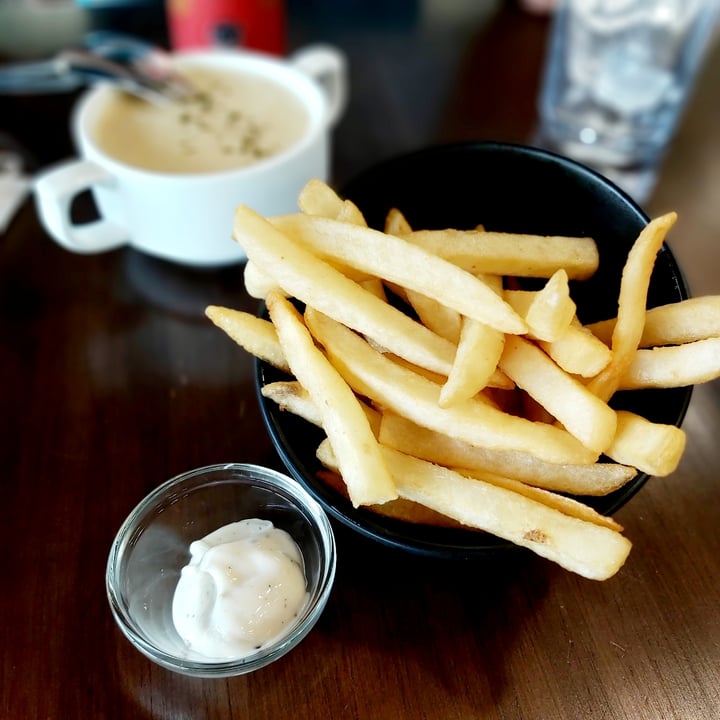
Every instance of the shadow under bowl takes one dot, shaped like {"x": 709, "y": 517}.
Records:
{"x": 509, "y": 188}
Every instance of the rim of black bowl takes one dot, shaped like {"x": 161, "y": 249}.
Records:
{"x": 296, "y": 440}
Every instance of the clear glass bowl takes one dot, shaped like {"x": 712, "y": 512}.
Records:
{"x": 152, "y": 546}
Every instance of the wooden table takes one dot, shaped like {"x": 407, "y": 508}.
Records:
{"x": 112, "y": 381}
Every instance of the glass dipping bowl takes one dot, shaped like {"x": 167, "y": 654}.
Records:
{"x": 152, "y": 547}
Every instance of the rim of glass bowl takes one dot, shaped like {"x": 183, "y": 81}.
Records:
{"x": 272, "y": 480}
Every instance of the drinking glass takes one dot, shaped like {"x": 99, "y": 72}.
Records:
{"x": 617, "y": 77}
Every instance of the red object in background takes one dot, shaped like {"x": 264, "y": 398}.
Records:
{"x": 252, "y": 24}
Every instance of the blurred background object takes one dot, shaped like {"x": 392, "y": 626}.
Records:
{"x": 618, "y": 74}
{"x": 34, "y": 28}
{"x": 144, "y": 18}
{"x": 14, "y": 180}
{"x": 253, "y": 24}
{"x": 541, "y": 7}
{"x": 137, "y": 66}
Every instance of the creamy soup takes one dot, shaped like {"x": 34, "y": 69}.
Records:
{"x": 232, "y": 120}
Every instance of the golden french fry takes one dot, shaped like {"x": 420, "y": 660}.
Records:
{"x": 548, "y": 312}
{"x": 398, "y": 509}
{"x": 261, "y": 279}
{"x": 476, "y": 359}
{"x": 653, "y": 448}
{"x": 578, "y": 351}
{"x": 257, "y": 283}
{"x": 256, "y": 335}
{"x": 318, "y": 198}
{"x": 374, "y": 285}
{"x": 494, "y": 253}
{"x": 479, "y": 348}
{"x": 392, "y": 258}
{"x": 343, "y": 419}
{"x": 597, "y": 479}
{"x": 414, "y": 511}
{"x": 674, "y": 365}
{"x": 290, "y": 395}
{"x": 583, "y": 414}
{"x": 566, "y": 505}
{"x": 532, "y": 409}
{"x": 681, "y": 322}
{"x": 498, "y": 380}
{"x": 593, "y": 551}
{"x": 394, "y": 387}
{"x": 351, "y": 213}
{"x": 631, "y": 305}
{"x": 316, "y": 283}
{"x": 396, "y": 223}
{"x": 552, "y": 309}
{"x": 442, "y": 320}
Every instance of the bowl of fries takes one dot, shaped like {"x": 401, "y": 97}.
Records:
{"x": 472, "y": 348}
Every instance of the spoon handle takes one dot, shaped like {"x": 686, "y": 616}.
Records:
{"x": 37, "y": 77}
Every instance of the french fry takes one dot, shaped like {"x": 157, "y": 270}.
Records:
{"x": 498, "y": 380}
{"x": 404, "y": 435}
{"x": 495, "y": 253}
{"x": 316, "y": 283}
{"x": 394, "y": 259}
{"x": 547, "y": 312}
{"x": 631, "y": 305}
{"x": 257, "y": 283}
{"x": 396, "y": 223}
{"x": 578, "y": 351}
{"x": 398, "y": 509}
{"x": 410, "y": 511}
{"x": 442, "y": 320}
{"x": 583, "y": 414}
{"x": 479, "y": 348}
{"x": 566, "y": 505}
{"x": 374, "y": 285}
{"x": 290, "y": 395}
{"x": 597, "y": 479}
{"x": 394, "y": 387}
{"x": 531, "y": 409}
{"x": 487, "y": 503}
{"x": 343, "y": 419}
{"x": 681, "y": 322}
{"x": 653, "y": 448}
{"x": 476, "y": 359}
{"x": 256, "y": 335}
{"x": 670, "y": 366}
{"x": 593, "y": 551}
{"x": 318, "y": 198}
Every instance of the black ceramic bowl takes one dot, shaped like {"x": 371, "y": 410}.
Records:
{"x": 507, "y": 188}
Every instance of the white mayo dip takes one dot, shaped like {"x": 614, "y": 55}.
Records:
{"x": 243, "y": 587}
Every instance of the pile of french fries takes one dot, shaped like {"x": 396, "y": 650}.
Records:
{"x": 450, "y": 396}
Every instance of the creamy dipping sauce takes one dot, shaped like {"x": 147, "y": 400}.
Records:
{"x": 242, "y": 589}
{"x": 233, "y": 120}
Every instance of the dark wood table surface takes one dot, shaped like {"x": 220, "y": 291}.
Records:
{"x": 112, "y": 380}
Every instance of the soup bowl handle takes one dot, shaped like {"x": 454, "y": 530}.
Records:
{"x": 56, "y": 188}
{"x": 328, "y": 67}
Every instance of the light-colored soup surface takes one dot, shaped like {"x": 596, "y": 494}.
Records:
{"x": 232, "y": 120}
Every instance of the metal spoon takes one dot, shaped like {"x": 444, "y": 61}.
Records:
{"x": 133, "y": 65}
